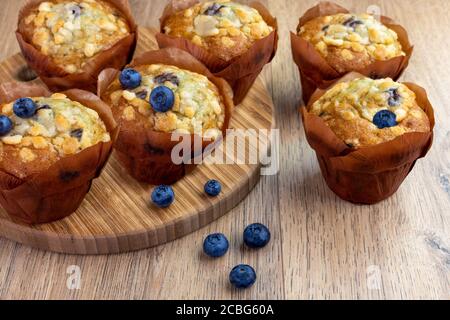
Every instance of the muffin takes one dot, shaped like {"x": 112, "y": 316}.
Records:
{"x": 350, "y": 42}
{"x": 51, "y": 147}
{"x": 157, "y": 97}
{"x": 365, "y": 112}
{"x": 233, "y": 40}
{"x": 73, "y": 40}
{"x": 225, "y": 28}
{"x": 368, "y": 134}
{"x": 331, "y": 42}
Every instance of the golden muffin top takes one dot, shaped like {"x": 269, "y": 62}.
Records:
{"x": 38, "y": 131}
{"x": 365, "y": 112}
{"x": 197, "y": 103}
{"x": 219, "y": 24}
{"x": 73, "y": 31}
{"x": 353, "y": 35}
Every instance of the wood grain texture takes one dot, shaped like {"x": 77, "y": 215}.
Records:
{"x": 322, "y": 246}
{"x": 116, "y": 215}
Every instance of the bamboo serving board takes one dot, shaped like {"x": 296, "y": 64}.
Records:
{"x": 117, "y": 215}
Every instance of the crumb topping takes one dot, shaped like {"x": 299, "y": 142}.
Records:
{"x": 198, "y": 106}
{"x": 60, "y": 127}
{"x": 361, "y": 33}
{"x": 72, "y": 32}
{"x": 349, "y": 109}
{"x": 228, "y": 21}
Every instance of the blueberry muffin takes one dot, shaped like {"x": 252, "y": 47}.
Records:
{"x": 37, "y": 132}
{"x": 365, "y": 112}
{"x": 167, "y": 99}
{"x": 71, "y": 32}
{"x": 226, "y": 29}
{"x": 350, "y": 42}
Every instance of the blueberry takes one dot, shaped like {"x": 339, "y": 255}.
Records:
{"x": 352, "y": 23}
{"x": 385, "y": 119}
{"x": 256, "y": 235}
{"x": 394, "y": 97}
{"x": 242, "y": 276}
{"x": 24, "y": 108}
{"x": 163, "y": 196}
{"x": 214, "y": 9}
{"x": 130, "y": 79}
{"x": 167, "y": 76}
{"x": 162, "y": 99}
{"x": 5, "y": 125}
{"x": 213, "y": 188}
{"x": 215, "y": 245}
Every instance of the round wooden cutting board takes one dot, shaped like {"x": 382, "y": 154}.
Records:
{"x": 117, "y": 215}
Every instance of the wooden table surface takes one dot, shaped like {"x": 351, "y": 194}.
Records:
{"x": 322, "y": 247}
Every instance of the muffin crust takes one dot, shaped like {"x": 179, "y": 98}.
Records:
{"x": 198, "y": 106}
{"x": 349, "y": 108}
{"x": 73, "y": 31}
{"x": 60, "y": 128}
{"x": 351, "y": 42}
{"x": 224, "y": 28}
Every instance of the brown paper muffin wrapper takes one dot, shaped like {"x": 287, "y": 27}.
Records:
{"x": 316, "y": 72}
{"x": 56, "y": 78}
{"x": 240, "y": 72}
{"x": 59, "y": 191}
{"x": 146, "y": 154}
{"x": 371, "y": 174}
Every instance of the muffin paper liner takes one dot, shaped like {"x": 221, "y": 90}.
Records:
{"x": 59, "y": 191}
{"x": 146, "y": 154}
{"x": 316, "y": 72}
{"x": 56, "y": 78}
{"x": 371, "y": 174}
{"x": 240, "y": 72}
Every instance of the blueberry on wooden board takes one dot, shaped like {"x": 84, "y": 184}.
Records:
{"x": 213, "y": 188}
{"x": 163, "y": 196}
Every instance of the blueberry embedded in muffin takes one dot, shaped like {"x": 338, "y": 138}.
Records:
{"x": 36, "y": 132}
{"x": 365, "y": 112}
{"x": 71, "y": 32}
{"x": 225, "y": 28}
{"x": 350, "y": 42}
{"x": 167, "y": 99}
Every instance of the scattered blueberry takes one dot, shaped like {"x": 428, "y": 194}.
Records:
{"x": 394, "y": 97}
{"x": 5, "y": 125}
{"x": 385, "y": 119}
{"x": 213, "y": 188}
{"x": 162, "y": 99}
{"x": 24, "y": 108}
{"x": 130, "y": 79}
{"x": 163, "y": 196}
{"x": 242, "y": 276}
{"x": 256, "y": 235}
{"x": 215, "y": 245}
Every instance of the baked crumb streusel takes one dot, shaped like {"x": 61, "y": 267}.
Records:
{"x": 351, "y": 42}
{"x": 73, "y": 31}
{"x": 225, "y": 28}
{"x": 198, "y": 106}
{"x": 350, "y": 109}
{"x": 61, "y": 127}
